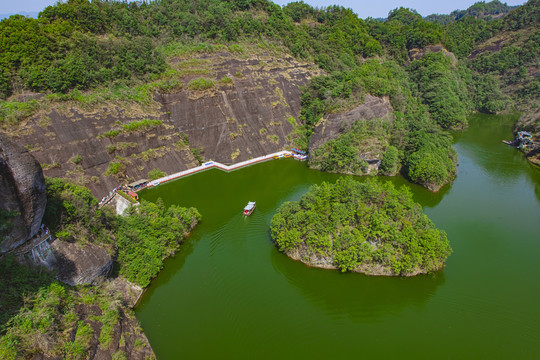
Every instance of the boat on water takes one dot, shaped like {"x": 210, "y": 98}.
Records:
{"x": 248, "y": 210}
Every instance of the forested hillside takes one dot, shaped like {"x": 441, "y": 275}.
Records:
{"x": 83, "y": 45}
{"x": 488, "y": 11}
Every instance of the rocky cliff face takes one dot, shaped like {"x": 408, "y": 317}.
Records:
{"x": 251, "y": 110}
{"x": 253, "y": 116}
{"x": 531, "y": 122}
{"x": 22, "y": 192}
{"x": 336, "y": 124}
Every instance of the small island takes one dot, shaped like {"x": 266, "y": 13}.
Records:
{"x": 371, "y": 228}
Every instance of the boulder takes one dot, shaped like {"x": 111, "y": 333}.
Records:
{"x": 80, "y": 264}
{"x": 22, "y": 194}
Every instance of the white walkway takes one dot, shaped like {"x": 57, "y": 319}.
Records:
{"x": 211, "y": 164}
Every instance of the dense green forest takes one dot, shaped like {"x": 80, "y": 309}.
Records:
{"x": 368, "y": 227}
{"x": 484, "y": 10}
{"x": 83, "y": 44}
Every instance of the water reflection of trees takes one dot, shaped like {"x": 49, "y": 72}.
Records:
{"x": 358, "y": 297}
{"x": 171, "y": 266}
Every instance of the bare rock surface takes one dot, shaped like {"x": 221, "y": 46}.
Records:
{"x": 251, "y": 114}
{"x": 336, "y": 124}
{"x": 22, "y": 191}
{"x": 72, "y": 144}
{"x": 416, "y": 54}
{"x": 80, "y": 264}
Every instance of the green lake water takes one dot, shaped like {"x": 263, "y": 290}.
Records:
{"x": 229, "y": 294}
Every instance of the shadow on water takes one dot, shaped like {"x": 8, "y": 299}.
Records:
{"x": 420, "y": 194}
{"x": 358, "y": 297}
{"x": 171, "y": 266}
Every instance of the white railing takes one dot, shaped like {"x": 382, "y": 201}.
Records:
{"x": 211, "y": 164}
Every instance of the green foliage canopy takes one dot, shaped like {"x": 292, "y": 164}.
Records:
{"x": 361, "y": 226}
{"x": 150, "y": 234}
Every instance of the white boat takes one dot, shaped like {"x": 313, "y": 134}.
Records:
{"x": 249, "y": 208}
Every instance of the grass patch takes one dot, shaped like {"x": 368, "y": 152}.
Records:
{"x": 166, "y": 86}
{"x": 156, "y": 174}
{"x": 109, "y": 319}
{"x": 197, "y": 153}
{"x": 273, "y": 138}
{"x": 150, "y": 153}
{"x": 127, "y": 197}
{"x": 201, "y": 84}
{"x": 54, "y": 165}
{"x": 193, "y": 63}
{"x": 179, "y": 145}
{"x": 143, "y": 124}
{"x": 292, "y": 121}
{"x": 141, "y": 94}
{"x": 226, "y": 80}
{"x": 235, "y": 154}
{"x": 125, "y": 145}
{"x": 115, "y": 168}
{"x": 112, "y": 133}
{"x": 78, "y": 348}
{"x": 76, "y": 159}
{"x": 183, "y": 49}
{"x": 119, "y": 355}
{"x": 180, "y": 73}
{"x": 236, "y": 48}
{"x": 13, "y": 112}
{"x": 31, "y": 148}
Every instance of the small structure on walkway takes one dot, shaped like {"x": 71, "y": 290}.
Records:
{"x": 138, "y": 185}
